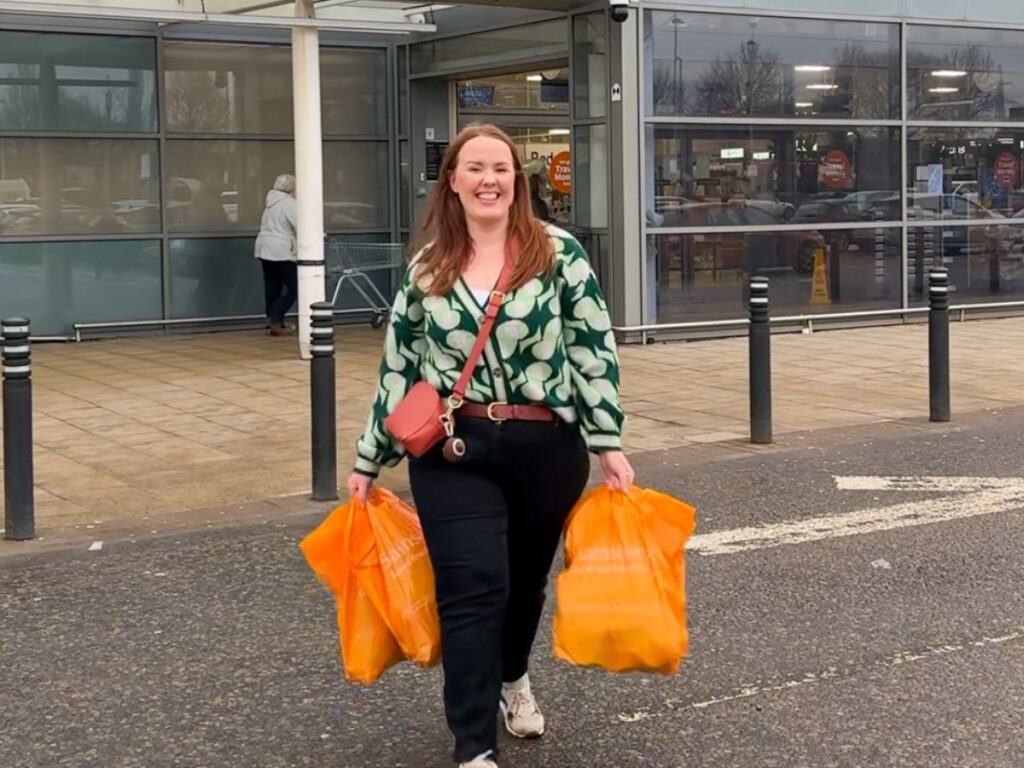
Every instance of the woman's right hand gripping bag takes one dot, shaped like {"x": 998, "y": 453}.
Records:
{"x": 622, "y": 596}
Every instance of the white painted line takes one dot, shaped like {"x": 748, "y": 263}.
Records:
{"x": 895, "y": 660}
{"x": 871, "y": 520}
{"x": 96, "y": 546}
{"x": 945, "y": 484}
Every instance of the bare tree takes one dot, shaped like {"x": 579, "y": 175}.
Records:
{"x": 867, "y": 86}
{"x": 982, "y": 94}
{"x": 194, "y": 101}
{"x": 748, "y": 82}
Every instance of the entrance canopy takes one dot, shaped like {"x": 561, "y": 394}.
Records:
{"x": 372, "y": 16}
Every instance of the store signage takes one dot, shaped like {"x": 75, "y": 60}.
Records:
{"x": 732, "y": 153}
{"x": 1006, "y": 169}
{"x": 435, "y": 157}
{"x": 835, "y": 169}
{"x": 560, "y": 173}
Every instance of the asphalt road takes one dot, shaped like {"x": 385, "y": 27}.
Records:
{"x": 867, "y": 646}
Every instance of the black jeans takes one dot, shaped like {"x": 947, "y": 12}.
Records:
{"x": 280, "y": 288}
{"x": 492, "y": 524}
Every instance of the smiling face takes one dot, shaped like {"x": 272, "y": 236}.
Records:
{"x": 484, "y": 179}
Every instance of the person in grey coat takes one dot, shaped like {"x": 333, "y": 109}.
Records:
{"x": 276, "y": 250}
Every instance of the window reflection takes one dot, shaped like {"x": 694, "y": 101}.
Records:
{"x": 76, "y": 82}
{"x": 78, "y": 186}
{"x": 985, "y": 263}
{"x": 230, "y": 88}
{"x": 762, "y": 176}
{"x": 965, "y": 173}
{"x": 706, "y": 276}
{"x": 221, "y": 185}
{"x": 706, "y": 64}
{"x": 965, "y": 74}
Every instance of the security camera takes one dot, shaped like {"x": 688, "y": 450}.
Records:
{"x": 619, "y": 10}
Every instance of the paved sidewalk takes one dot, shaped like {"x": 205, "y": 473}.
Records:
{"x": 132, "y": 430}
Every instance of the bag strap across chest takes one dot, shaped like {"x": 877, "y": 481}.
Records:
{"x": 490, "y": 315}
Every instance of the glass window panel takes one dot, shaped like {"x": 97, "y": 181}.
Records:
{"x": 707, "y": 64}
{"x": 590, "y": 176}
{"x": 725, "y": 176}
{"x": 221, "y": 185}
{"x": 964, "y": 173}
{"x": 216, "y": 277}
{"x": 546, "y": 40}
{"x": 545, "y": 90}
{"x": 356, "y": 185}
{"x": 77, "y": 82}
{"x": 590, "y": 60}
{"x": 219, "y": 88}
{"x": 354, "y": 92}
{"x": 700, "y": 277}
{"x": 985, "y": 262}
{"x": 78, "y": 186}
{"x": 58, "y": 284}
{"x": 230, "y": 88}
{"x": 965, "y": 74}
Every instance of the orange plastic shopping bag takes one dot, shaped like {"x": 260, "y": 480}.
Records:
{"x": 622, "y": 596}
{"x": 391, "y": 563}
{"x": 374, "y": 559}
{"x": 367, "y": 646}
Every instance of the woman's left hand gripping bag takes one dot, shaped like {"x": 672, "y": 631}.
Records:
{"x": 374, "y": 559}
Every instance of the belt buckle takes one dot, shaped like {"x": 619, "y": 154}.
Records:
{"x": 490, "y": 412}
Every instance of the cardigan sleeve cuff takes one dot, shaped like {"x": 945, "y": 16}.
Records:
{"x": 601, "y": 442}
{"x": 366, "y": 467}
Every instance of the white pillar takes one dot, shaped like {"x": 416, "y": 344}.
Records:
{"x": 309, "y": 179}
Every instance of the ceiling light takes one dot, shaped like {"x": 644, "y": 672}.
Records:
{"x": 812, "y": 68}
{"x": 559, "y": 132}
{"x": 943, "y": 89}
{"x": 534, "y": 78}
{"x": 804, "y": 104}
{"x": 822, "y": 86}
{"x": 948, "y": 73}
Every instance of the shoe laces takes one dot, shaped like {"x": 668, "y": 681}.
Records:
{"x": 521, "y": 702}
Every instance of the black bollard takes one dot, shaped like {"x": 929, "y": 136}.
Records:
{"x": 322, "y": 407}
{"x": 760, "y": 363}
{"x": 19, "y": 502}
{"x": 938, "y": 344}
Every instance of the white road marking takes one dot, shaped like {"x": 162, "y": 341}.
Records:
{"x": 977, "y": 496}
{"x": 894, "y": 660}
{"x": 96, "y": 546}
{"x": 944, "y": 484}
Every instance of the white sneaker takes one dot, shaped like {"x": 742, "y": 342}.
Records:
{"x": 522, "y": 716}
{"x": 479, "y": 762}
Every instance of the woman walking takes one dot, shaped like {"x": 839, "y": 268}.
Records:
{"x": 276, "y": 250}
{"x": 494, "y": 498}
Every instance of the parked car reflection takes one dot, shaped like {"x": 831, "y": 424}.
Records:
{"x": 734, "y": 254}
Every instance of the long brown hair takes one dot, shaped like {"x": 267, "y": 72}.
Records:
{"x": 444, "y": 226}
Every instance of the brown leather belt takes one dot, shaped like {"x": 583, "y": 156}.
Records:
{"x": 505, "y": 412}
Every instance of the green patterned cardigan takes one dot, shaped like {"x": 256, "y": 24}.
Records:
{"x": 552, "y": 344}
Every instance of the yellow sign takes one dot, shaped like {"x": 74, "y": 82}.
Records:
{"x": 819, "y": 290}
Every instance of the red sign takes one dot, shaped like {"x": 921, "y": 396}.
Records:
{"x": 560, "y": 173}
{"x": 1007, "y": 170}
{"x": 835, "y": 169}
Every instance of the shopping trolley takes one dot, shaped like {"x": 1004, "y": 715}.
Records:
{"x": 352, "y": 262}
